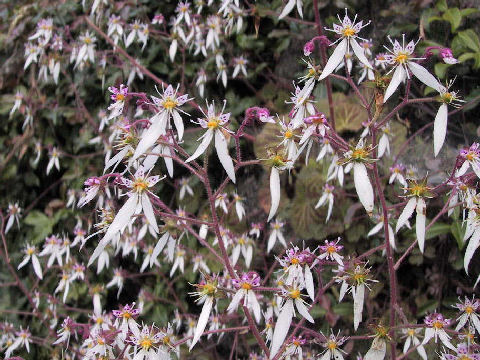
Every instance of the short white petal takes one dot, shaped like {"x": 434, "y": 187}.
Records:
{"x": 235, "y": 301}
{"x": 287, "y": 9}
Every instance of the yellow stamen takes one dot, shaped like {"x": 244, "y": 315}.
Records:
{"x": 348, "y": 31}
{"x": 401, "y": 58}
{"x": 295, "y": 294}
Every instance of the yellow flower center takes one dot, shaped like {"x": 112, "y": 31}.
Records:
{"x": 470, "y": 156}
{"x": 87, "y": 40}
{"x": 359, "y": 154}
{"x": 401, "y": 58}
{"x": 241, "y": 241}
{"x": 99, "y": 320}
{"x": 332, "y": 345}
{"x": 119, "y": 97}
{"x": 418, "y": 189}
{"x": 331, "y": 249}
{"x": 437, "y": 325}
{"x": 246, "y": 286}
{"x": 209, "y": 288}
{"x": 288, "y": 134}
{"x": 140, "y": 185}
{"x": 126, "y": 315}
{"x": 348, "y": 31}
{"x": 100, "y": 341}
{"x": 295, "y": 294}
{"x": 30, "y": 251}
{"x": 447, "y": 97}
{"x": 359, "y": 278}
{"x": 469, "y": 310}
{"x": 166, "y": 340}
{"x": 295, "y": 261}
{"x": 213, "y": 123}
{"x": 146, "y": 343}
{"x": 169, "y": 104}
{"x": 410, "y": 332}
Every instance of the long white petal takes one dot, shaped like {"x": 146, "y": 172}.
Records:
{"x": 335, "y": 59}
{"x": 363, "y": 186}
{"x": 375, "y": 229}
{"x": 358, "y": 50}
{"x": 274, "y": 192}
{"x": 397, "y": 78}
{"x": 36, "y": 267}
{"x": 440, "y": 128}
{"x": 424, "y": 76}
{"x": 148, "y": 211}
{"x": 287, "y": 9}
{"x": 151, "y": 135}
{"x": 281, "y": 327}
{"x": 121, "y": 220}
{"x": 420, "y": 225}
{"x": 235, "y": 301}
{"x": 302, "y": 309}
{"x": 160, "y": 245}
{"x": 472, "y": 246}
{"x": 358, "y": 300}
{"x": 24, "y": 262}
{"x": 252, "y": 300}
{"x": 377, "y": 351}
{"x": 203, "y": 146}
{"x": 177, "y": 120}
{"x": 406, "y": 213}
{"x": 202, "y": 320}
{"x": 222, "y": 151}
{"x": 309, "y": 283}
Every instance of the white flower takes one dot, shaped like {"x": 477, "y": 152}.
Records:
{"x": 412, "y": 339}
{"x": 243, "y": 245}
{"x": 184, "y": 188}
{"x": 397, "y": 171}
{"x": 138, "y": 200}
{"x": 179, "y": 261}
{"x": 278, "y": 163}
{"x": 363, "y": 186}
{"x": 401, "y": 59}
{"x": 327, "y": 197}
{"x": 17, "y": 104}
{"x": 289, "y": 7}
{"x": 276, "y": 234}
{"x": 200, "y": 264}
{"x": 441, "y": 119}
{"x": 436, "y": 329}
{"x": 44, "y": 31}
{"x": 216, "y": 131}
{"x": 168, "y": 105}
{"x": 201, "y": 81}
{"x": 472, "y": 234}
{"x": 379, "y": 226}
{"x": 206, "y": 295}
{"x": 331, "y": 344}
{"x": 297, "y": 266}
{"x": 53, "y": 160}
{"x": 31, "y": 53}
{"x": 330, "y": 251}
{"x": 14, "y": 212}
{"x": 416, "y": 203}
{"x": 292, "y": 300}
{"x": 471, "y": 157}
{"x": 348, "y": 32}
{"x": 246, "y": 295}
{"x": 302, "y": 104}
{"x": 145, "y": 343}
{"x": 240, "y": 65}
{"x": 30, "y": 255}
{"x": 22, "y": 338}
{"x": 87, "y": 51}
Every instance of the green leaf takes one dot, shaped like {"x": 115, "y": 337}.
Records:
{"x": 437, "y": 229}
{"x": 441, "y": 69}
{"x": 468, "y": 11}
{"x": 458, "y": 231}
{"x": 42, "y": 225}
{"x": 470, "y": 39}
{"x": 454, "y": 17}
{"x": 442, "y": 5}
{"x": 467, "y": 56}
